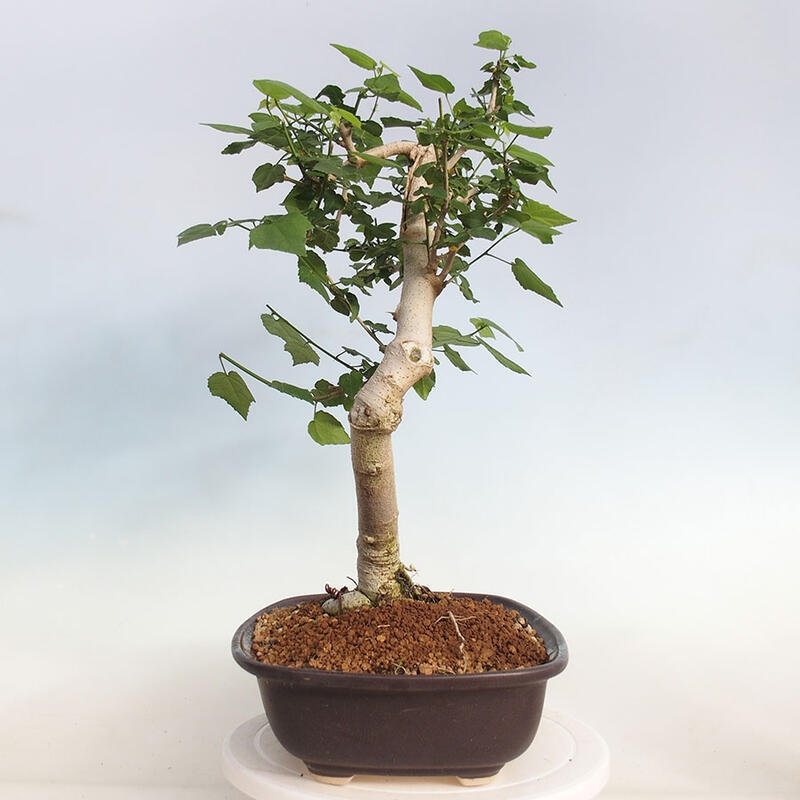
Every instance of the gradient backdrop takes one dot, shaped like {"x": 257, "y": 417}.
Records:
{"x": 641, "y": 490}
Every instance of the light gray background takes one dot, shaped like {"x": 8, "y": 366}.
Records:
{"x": 641, "y": 490}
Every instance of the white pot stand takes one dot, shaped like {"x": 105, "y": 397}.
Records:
{"x": 567, "y": 761}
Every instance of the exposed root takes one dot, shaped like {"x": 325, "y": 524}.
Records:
{"x": 414, "y": 591}
{"x": 461, "y": 640}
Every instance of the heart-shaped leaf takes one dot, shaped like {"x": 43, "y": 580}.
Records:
{"x": 326, "y": 429}
{"x": 233, "y": 390}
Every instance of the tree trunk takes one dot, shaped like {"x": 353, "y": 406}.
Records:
{"x": 378, "y": 407}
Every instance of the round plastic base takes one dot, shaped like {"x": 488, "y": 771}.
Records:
{"x": 567, "y": 761}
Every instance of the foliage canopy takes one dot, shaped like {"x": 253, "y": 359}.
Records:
{"x": 342, "y": 173}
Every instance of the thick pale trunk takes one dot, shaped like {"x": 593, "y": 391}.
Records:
{"x": 378, "y": 408}
{"x": 378, "y": 550}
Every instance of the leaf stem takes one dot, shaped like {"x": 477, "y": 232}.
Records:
{"x": 371, "y": 334}
{"x": 494, "y": 244}
{"x": 242, "y": 368}
{"x": 309, "y": 340}
{"x": 286, "y": 130}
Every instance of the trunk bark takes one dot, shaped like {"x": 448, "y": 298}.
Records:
{"x": 378, "y": 407}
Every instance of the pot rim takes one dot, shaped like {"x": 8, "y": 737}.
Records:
{"x": 556, "y": 649}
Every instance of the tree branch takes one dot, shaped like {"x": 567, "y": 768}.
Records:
{"x": 400, "y": 147}
{"x": 455, "y": 158}
{"x": 346, "y": 132}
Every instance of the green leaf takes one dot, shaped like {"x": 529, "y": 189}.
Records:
{"x": 377, "y": 327}
{"x": 486, "y": 329}
{"x": 326, "y": 238}
{"x": 454, "y": 357}
{"x": 301, "y": 197}
{"x": 544, "y": 233}
{"x": 481, "y": 130}
{"x": 333, "y": 93}
{"x": 327, "y": 393}
{"x": 534, "y": 131}
{"x": 444, "y": 335}
{"x": 328, "y": 165}
{"x": 326, "y": 429}
{"x": 295, "y": 344}
{"x": 338, "y": 115}
{"x": 345, "y": 303}
{"x": 530, "y": 173}
{"x": 407, "y": 99}
{"x": 483, "y": 233}
{"x": 202, "y": 231}
{"x": 374, "y": 129}
{"x": 233, "y": 390}
{"x": 465, "y": 288}
{"x": 493, "y": 40}
{"x": 234, "y": 148}
{"x": 527, "y": 279}
{"x": 396, "y": 122}
{"x": 278, "y": 90}
{"x": 528, "y": 156}
{"x": 265, "y": 122}
{"x": 539, "y": 212}
{"x": 424, "y": 386}
{"x": 437, "y": 83}
{"x": 267, "y": 175}
{"x": 388, "y": 87}
{"x": 356, "y": 57}
{"x": 283, "y": 232}
{"x": 351, "y": 382}
{"x": 523, "y": 62}
{"x": 228, "y": 128}
{"x": 504, "y": 360}
{"x": 311, "y": 271}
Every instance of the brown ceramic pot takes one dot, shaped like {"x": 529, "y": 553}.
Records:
{"x": 343, "y": 724}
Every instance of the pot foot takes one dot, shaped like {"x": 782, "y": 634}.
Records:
{"x": 331, "y": 780}
{"x": 482, "y": 781}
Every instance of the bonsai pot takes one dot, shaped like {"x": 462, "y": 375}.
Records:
{"x": 343, "y": 724}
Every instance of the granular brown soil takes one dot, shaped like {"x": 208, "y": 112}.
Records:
{"x": 404, "y": 637}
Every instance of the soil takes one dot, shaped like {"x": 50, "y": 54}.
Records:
{"x": 451, "y": 635}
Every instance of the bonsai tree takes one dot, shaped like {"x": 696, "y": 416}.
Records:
{"x": 414, "y": 213}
